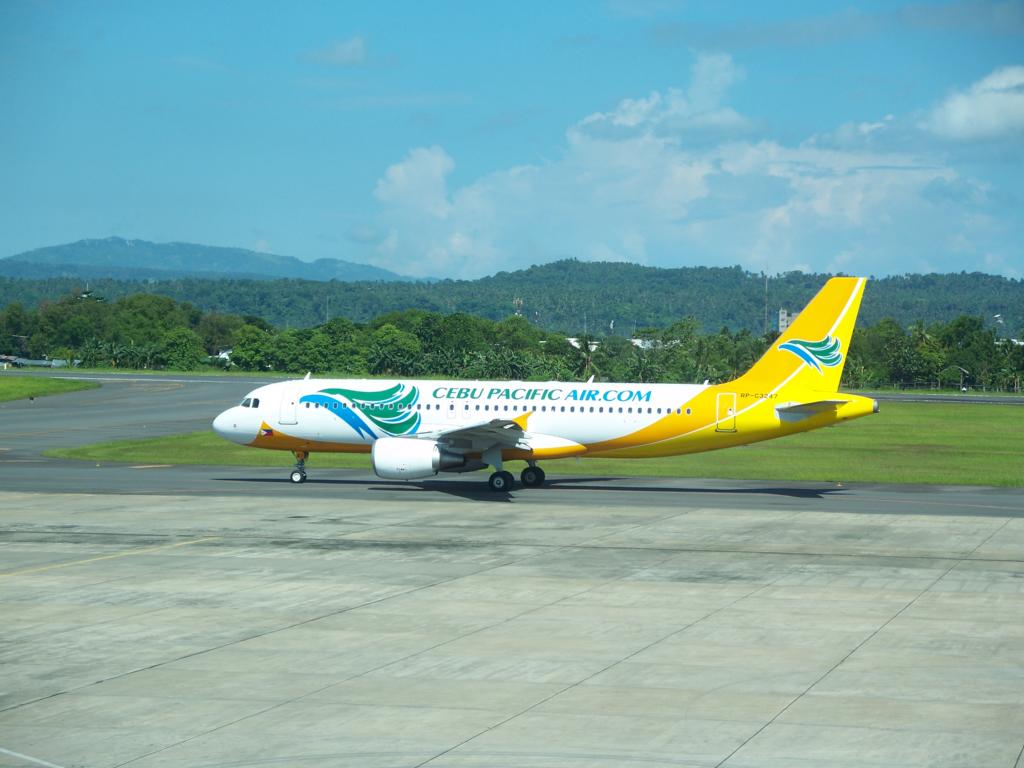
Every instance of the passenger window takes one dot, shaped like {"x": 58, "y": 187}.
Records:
{"x": 601, "y": 409}
{"x": 477, "y": 407}
{"x": 307, "y": 405}
{"x": 688, "y": 411}
{"x": 620, "y": 409}
{"x": 451, "y": 407}
{"x": 591, "y": 409}
{"x": 563, "y": 409}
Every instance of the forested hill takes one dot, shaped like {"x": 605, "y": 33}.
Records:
{"x": 121, "y": 259}
{"x": 571, "y": 296}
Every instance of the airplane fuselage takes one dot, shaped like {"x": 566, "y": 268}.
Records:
{"x": 562, "y": 419}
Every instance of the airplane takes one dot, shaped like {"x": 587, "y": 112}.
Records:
{"x": 414, "y": 429}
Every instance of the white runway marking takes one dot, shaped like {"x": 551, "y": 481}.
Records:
{"x": 34, "y": 760}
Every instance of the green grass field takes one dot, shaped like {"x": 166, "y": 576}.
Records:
{"x": 906, "y": 443}
{"x": 22, "y": 387}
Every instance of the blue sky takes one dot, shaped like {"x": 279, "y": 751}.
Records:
{"x": 459, "y": 139}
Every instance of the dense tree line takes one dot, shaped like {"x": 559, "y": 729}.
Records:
{"x": 148, "y": 331}
{"x": 570, "y": 297}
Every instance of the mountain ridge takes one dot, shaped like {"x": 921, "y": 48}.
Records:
{"x": 134, "y": 259}
{"x": 572, "y": 296}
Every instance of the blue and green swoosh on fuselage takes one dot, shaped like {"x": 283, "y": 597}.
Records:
{"x": 816, "y": 353}
{"x": 389, "y": 410}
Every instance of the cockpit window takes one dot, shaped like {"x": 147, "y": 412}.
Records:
{"x": 247, "y": 402}
{"x": 255, "y": 402}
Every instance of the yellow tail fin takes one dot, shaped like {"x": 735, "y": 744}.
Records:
{"x": 811, "y": 354}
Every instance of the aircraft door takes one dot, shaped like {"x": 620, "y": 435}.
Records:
{"x": 289, "y": 406}
{"x": 725, "y": 410}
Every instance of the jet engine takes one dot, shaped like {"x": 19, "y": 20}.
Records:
{"x": 402, "y": 458}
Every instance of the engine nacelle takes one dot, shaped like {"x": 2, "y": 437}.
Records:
{"x": 404, "y": 458}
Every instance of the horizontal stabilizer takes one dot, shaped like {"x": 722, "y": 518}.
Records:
{"x": 816, "y": 406}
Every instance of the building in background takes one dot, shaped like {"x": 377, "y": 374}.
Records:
{"x": 786, "y": 319}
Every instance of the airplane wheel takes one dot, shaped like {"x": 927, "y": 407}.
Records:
{"x": 501, "y": 482}
{"x": 532, "y": 477}
{"x": 298, "y": 477}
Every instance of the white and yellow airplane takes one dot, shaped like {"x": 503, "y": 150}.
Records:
{"x": 415, "y": 429}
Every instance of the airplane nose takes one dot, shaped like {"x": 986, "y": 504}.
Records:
{"x": 231, "y": 426}
{"x": 222, "y": 423}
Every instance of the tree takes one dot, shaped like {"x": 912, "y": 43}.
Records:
{"x": 316, "y": 353}
{"x": 145, "y": 317}
{"x": 218, "y": 331}
{"x": 394, "y": 352}
{"x": 286, "y": 350}
{"x": 181, "y": 349}
{"x": 516, "y": 332}
{"x": 614, "y": 358}
{"x": 252, "y": 349}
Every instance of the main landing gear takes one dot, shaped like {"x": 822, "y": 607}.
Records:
{"x": 532, "y": 476}
{"x": 502, "y": 482}
{"x": 298, "y": 474}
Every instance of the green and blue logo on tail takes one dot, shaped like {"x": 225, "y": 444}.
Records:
{"x": 816, "y": 353}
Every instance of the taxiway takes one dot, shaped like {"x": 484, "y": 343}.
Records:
{"x": 212, "y": 616}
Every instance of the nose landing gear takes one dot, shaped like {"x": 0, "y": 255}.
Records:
{"x": 298, "y": 474}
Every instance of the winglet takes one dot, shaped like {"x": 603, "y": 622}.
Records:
{"x": 521, "y": 419}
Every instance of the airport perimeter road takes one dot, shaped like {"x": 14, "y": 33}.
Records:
{"x": 124, "y": 407}
{"x": 926, "y": 397}
{"x": 634, "y": 623}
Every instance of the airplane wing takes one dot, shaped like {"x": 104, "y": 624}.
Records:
{"x": 501, "y": 433}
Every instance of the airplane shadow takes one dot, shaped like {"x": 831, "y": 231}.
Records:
{"x": 478, "y": 491}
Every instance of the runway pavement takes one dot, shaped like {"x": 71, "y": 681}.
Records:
{"x": 212, "y": 616}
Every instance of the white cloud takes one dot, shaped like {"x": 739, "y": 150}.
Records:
{"x": 343, "y": 53}
{"x": 418, "y": 182}
{"x": 990, "y": 108}
{"x": 637, "y": 183}
{"x": 698, "y": 108}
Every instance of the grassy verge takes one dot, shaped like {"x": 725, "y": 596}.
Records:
{"x": 942, "y": 443}
{"x": 23, "y": 387}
